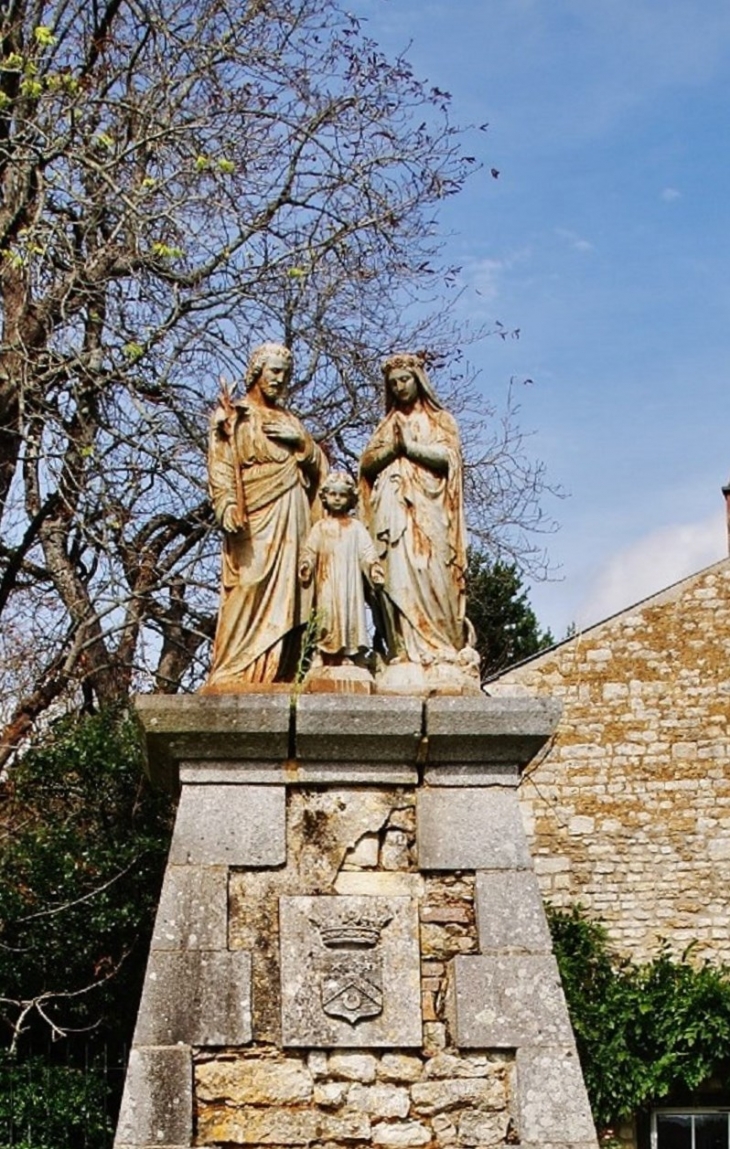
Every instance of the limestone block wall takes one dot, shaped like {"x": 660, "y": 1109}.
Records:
{"x": 350, "y": 948}
{"x": 628, "y": 808}
{"x": 354, "y": 842}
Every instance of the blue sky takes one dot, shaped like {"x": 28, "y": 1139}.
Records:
{"x": 606, "y": 240}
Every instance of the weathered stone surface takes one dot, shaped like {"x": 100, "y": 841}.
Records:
{"x": 249, "y": 1081}
{"x": 552, "y": 1105}
{"x": 400, "y": 1067}
{"x": 328, "y": 988}
{"x": 197, "y": 997}
{"x": 317, "y": 1063}
{"x": 330, "y": 1094}
{"x": 292, "y": 772}
{"x": 359, "y": 729}
{"x": 376, "y": 884}
{"x": 230, "y": 825}
{"x": 322, "y": 825}
{"x": 558, "y": 1145}
{"x": 488, "y": 731}
{"x": 434, "y": 1037}
{"x": 638, "y": 764}
{"x": 185, "y": 727}
{"x": 510, "y": 914}
{"x": 157, "y": 1106}
{"x": 470, "y": 829}
{"x": 444, "y": 1128}
{"x": 193, "y": 909}
{"x": 451, "y": 1065}
{"x": 482, "y": 1128}
{"x": 353, "y": 1066}
{"x": 401, "y": 1135}
{"x": 364, "y": 854}
{"x": 395, "y": 854}
{"x": 379, "y": 1100}
{"x": 471, "y": 774}
{"x": 441, "y": 1095}
{"x": 233, "y": 773}
{"x": 277, "y": 1125}
{"x": 353, "y": 773}
{"x": 507, "y": 1002}
{"x": 404, "y": 818}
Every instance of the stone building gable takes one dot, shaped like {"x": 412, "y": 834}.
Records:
{"x": 628, "y": 809}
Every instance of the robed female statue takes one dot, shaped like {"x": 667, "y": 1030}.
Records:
{"x": 413, "y": 505}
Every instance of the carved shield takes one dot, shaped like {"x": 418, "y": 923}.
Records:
{"x": 352, "y": 985}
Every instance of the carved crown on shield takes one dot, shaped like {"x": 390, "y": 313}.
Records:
{"x": 351, "y": 930}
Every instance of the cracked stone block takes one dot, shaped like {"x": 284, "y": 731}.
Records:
{"x": 395, "y": 854}
{"x": 510, "y": 914}
{"x": 507, "y": 1001}
{"x": 470, "y": 828}
{"x": 197, "y": 997}
{"x": 364, "y": 854}
{"x": 230, "y": 825}
{"x": 193, "y": 909}
{"x": 552, "y": 1104}
{"x": 350, "y": 971}
{"x": 157, "y": 1106}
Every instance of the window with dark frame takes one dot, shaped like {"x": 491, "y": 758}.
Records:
{"x": 690, "y": 1129}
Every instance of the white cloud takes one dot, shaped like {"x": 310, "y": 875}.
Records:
{"x": 573, "y": 239}
{"x": 652, "y": 563}
{"x": 670, "y": 194}
{"x": 484, "y": 275}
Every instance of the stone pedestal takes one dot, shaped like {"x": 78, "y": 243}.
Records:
{"x": 350, "y": 947}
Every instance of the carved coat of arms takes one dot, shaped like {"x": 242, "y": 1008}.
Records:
{"x": 350, "y": 969}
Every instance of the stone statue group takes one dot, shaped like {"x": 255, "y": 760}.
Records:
{"x": 294, "y": 553}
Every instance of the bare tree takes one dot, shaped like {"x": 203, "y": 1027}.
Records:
{"x": 180, "y": 179}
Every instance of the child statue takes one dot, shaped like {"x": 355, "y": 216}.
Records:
{"x": 338, "y": 556}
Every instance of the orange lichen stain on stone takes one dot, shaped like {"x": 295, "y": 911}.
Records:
{"x": 630, "y": 809}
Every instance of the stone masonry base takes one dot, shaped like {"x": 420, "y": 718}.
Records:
{"x": 350, "y": 947}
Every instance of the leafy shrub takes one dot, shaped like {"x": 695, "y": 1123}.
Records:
{"x": 83, "y": 841}
{"x": 46, "y": 1106}
{"x": 644, "y": 1031}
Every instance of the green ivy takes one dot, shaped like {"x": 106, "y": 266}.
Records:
{"x": 644, "y": 1031}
